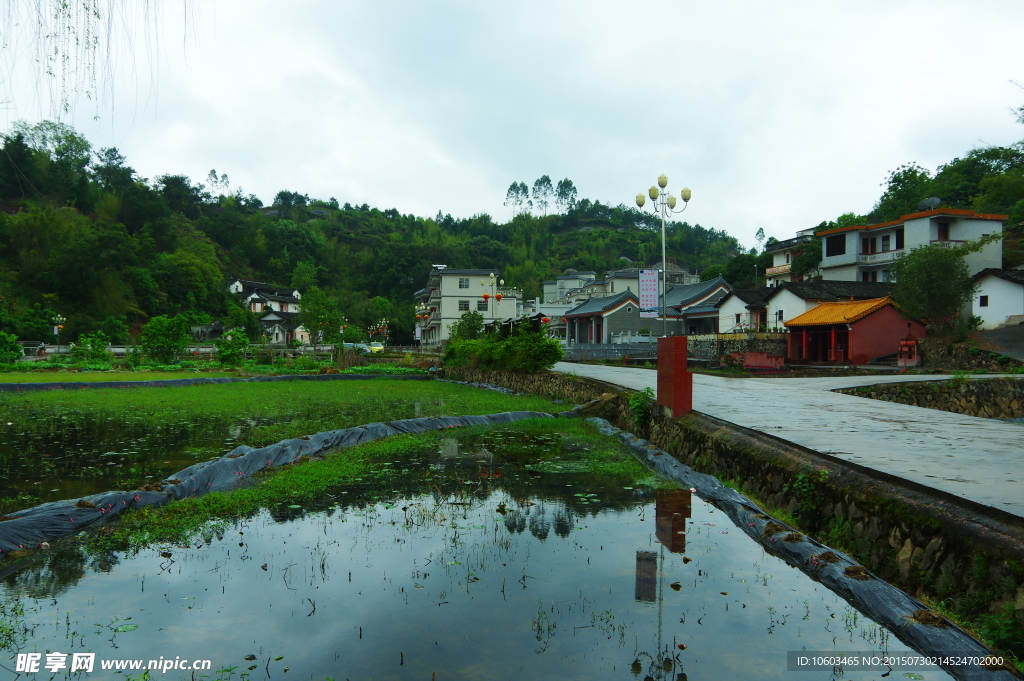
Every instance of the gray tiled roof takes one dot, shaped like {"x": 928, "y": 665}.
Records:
{"x": 1013, "y": 275}
{"x": 452, "y": 270}
{"x": 684, "y": 294}
{"x": 598, "y": 305}
{"x": 819, "y": 289}
{"x": 751, "y": 296}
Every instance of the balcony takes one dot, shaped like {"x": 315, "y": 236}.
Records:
{"x": 788, "y": 243}
{"x": 878, "y": 258}
{"x": 780, "y": 269}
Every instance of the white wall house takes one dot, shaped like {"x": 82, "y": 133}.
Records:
{"x": 999, "y": 299}
{"x": 783, "y": 253}
{"x": 743, "y": 310}
{"x": 865, "y": 253}
{"x": 786, "y": 301}
{"x": 450, "y": 293}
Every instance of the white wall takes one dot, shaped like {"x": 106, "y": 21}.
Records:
{"x": 727, "y": 314}
{"x": 791, "y": 306}
{"x": 1005, "y": 298}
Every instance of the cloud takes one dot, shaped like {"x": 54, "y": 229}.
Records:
{"x": 776, "y": 115}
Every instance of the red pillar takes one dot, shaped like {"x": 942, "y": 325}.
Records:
{"x": 675, "y": 382}
{"x": 804, "y": 337}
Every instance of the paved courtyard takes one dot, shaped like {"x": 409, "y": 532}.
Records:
{"x": 974, "y": 458}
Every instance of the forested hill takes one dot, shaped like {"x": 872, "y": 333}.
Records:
{"x": 83, "y": 236}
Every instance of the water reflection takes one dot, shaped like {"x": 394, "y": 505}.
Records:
{"x": 673, "y": 507}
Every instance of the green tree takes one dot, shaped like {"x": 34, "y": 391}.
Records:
{"x": 320, "y": 316}
{"x": 304, "y": 275}
{"x": 741, "y": 271}
{"x": 543, "y": 193}
{"x": 712, "y": 272}
{"x": 163, "y": 337}
{"x": 10, "y": 351}
{"x": 565, "y": 195}
{"x": 932, "y": 283}
{"x": 905, "y": 188}
{"x": 231, "y": 347}
{"x": 469, "y": 327}
{"x": 518, "y": 196}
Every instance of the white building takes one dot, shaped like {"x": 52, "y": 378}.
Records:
{"x": 999, "y": 298}
{"x": 786, "y": 301}
{"x": 743, "y": 310}
{"x": 864, "y": 253}
{"x": 450, "y": 293}
{"x": 783, "y": 253}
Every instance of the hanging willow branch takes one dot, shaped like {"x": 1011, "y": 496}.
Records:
{"x": 70, "y": 50}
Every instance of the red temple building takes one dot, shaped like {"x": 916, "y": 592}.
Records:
{"x": 853, "y": 332}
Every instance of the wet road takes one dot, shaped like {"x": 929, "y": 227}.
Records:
{"x": 974, "y": 458}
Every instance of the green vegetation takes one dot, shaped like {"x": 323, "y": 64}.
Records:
{"x": 640, "y": 408}
{"x": 572, "y": 445}
{"x": 84, "y": 236}
{"x": 526, "y": 351}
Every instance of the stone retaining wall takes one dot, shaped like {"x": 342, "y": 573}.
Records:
{"x": 967, "y": 556}
{"x": 991, "y": 398}
{"x": 940, "y": 353}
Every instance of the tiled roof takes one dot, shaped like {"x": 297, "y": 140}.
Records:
{"x": 956, "y": 212}
{"x": 819, "y": 289}
{"x": 700, "y": 309}
{"x": 752, "y": 296}
{"x": 452, "y": 270}
{"x": 598, "y": 305}
{"x": 839, "y": 313}
{"x": 1014, "y": 275}
{"x": 684, "y": 294}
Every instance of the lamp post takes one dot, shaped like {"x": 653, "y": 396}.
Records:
{"x": 663, "y": 203}
{"x": 490, "y": 283}
{"x": 58, "y": 324}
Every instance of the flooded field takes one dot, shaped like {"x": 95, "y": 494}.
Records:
{"x": 67, "y": 444}
{"x": 492, "y": 556}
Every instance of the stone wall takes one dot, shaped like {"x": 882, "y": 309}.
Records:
{"x": 991, "y": 398}
{"x": 714, "y": 347}
{"x": 939, "y": 353}
{"x": 932, "y": 545}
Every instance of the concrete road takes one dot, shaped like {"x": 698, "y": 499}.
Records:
{"x": 974, "y": 458}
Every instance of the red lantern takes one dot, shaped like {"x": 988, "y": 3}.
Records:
{"x": 563, "y": 320}
{"x": 487, "y": 296}
{"x": 545, "y": 320}
{"x": 498, "y": 297}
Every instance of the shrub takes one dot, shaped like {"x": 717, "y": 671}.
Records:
{"x": 231, "y": 347}
{"x": 164, "y": 337}
{"x": 91, "y": 347}
{"x": 527, "y": 352}
{"x": 10, "y": 351}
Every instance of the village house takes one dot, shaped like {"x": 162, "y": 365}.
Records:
{"x": 789, "y": 300}
{"x": 865, "y": 252}
{"x": 849, "y": 332}
{"x": 743, "y": 310}
{"x": 999, "y": 298}
{"x": 783, "y": 253}
{"x": 692, "y": 307}
{"x": 451, "y": 292}
{"x": 277, "y": 309}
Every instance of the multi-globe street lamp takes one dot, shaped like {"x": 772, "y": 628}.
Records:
{"x": 494, "y": 292}
{"x": 663, "y": 202}
{"x": 58, "y": 324}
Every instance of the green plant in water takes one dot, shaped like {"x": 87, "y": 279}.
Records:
{"x": 13, "y": 631}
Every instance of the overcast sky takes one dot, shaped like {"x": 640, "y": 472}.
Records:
{"x": 776, "y": 115}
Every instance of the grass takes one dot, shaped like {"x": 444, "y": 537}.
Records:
{"x": 323, "y": 405}
{"x": 580, "y": 449}
{"x": 61, "y": 375}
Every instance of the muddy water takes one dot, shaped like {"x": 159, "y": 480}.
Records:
{"x": 452, "y": 564}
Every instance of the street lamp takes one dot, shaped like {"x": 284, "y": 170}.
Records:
{"x": 663, "y": 203}
{"x": 58, "y": 324}
{"x": 490, "y": 283}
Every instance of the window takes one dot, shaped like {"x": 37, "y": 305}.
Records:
{"x": 983, "y": 301}
{"x": 787, "y": 257}
{"x": 899, "y": 239}
{"x": 874, "y": 275}
{"x": 864, "y": 276}
{"x": 835, "y": 245}
{"x": 778, "y": 315}
{"x": 463, "y": 282}
{"x": 481, "y": 306}
{"x": 943, "y": 231}
{"x": 463, "y": 306}
{"x": 737, "y": 318}
{"x": 885, "y": 243}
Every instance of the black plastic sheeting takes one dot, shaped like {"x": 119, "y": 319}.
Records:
{"x": 879, "y": 600}
{"x": 176, "y": 382}
{"x": 51, "y": 521}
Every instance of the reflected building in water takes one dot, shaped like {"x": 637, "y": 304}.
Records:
{"x": 672, "y": 510}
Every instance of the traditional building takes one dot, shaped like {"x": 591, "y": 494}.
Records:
{"x": 743, "y": 310}
{"x": 851, "y": 332}
{"x": 789, "y": 300}
{"x": 692, "y": 307}
{"x": 596, "y": 320}
{"x": 276, "y": 308}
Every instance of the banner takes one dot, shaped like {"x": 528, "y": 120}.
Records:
{"x": 648, "y": 293}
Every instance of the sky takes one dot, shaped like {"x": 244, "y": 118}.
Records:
{"x": 776, "y": 115}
